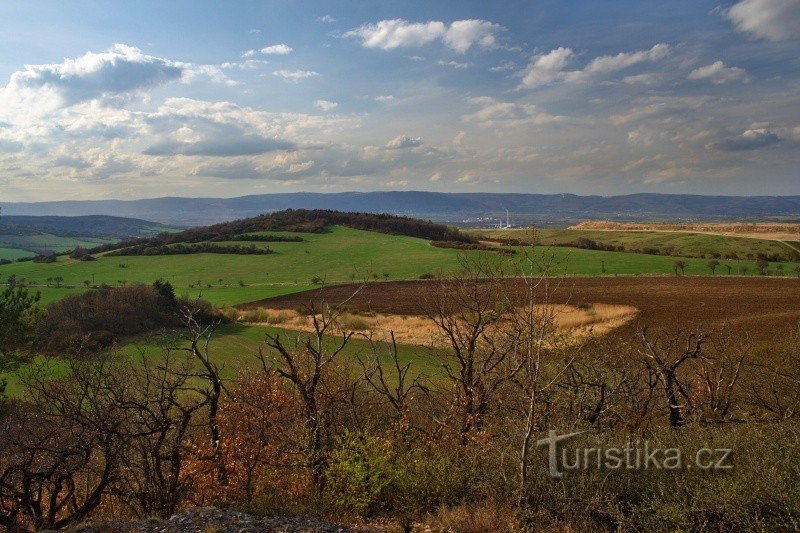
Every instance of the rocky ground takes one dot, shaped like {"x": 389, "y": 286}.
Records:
{"x": 213, "y": 520}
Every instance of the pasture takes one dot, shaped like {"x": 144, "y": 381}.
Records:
{"x": 337, "y": 255}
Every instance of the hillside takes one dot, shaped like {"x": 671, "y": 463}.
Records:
{"x": 24, "y": 236}
{"x": 80, "y": 226}
{"x": 456, "y": 208}
{"x": 299, "y": 220}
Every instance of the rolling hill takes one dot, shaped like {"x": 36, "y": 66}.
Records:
{"x": 24, "y": 236}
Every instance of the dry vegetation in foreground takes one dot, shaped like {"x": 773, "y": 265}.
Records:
{"x": 574, "y": 321}
{"x": 757, "y": 230}
{"x": 364, "y": 437}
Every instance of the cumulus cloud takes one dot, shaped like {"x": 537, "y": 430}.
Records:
{"x": 547, "y": 68}
{"x": 384, "y": 98}
{"x": 749, "y": 140}
{"x": 493, "y": 112}
{"x": 404, "y": 141}
{"x": 277, "y": 49}
{"x": 326, "y": 19}
{"x": 463, "y": 34}
{"x": 718, "y": 73}
{"x": 294, "y": 76}
{"x": 325, "y": 105}
{"x": 551, "y": 67}
{"x": 120, "y": 70}
{"x": 775, "y": 20}
{"x": 460, "y": 35}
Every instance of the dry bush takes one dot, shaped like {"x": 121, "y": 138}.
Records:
{"x": 257, "y": 422}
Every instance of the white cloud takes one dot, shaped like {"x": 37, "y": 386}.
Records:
{"x": 503, "y": 67}
{"x": 718, "y": 73}
{"x": 120, "y": 70}
{"x": 460, "y": 35}
{"x": 325, "y": 105}
{"x": 294, "y": 76}
{"x": 547, "y": 68}
{"x": 326, "y": 19}
{"x": 454, "y": 64}
{"x": 775, "y": 20}
{"x": 390, "y": 34}
{"x": 277, "y": 49}
{"x": 749, "y": 140}
{"x": 647, "y": 78}
{"x": 623, "y": 60}
{"x": 404, "y": 141}
{"x": 493, "y": 112}
{"x": 551, "y": 67}
{"x": 248, "y": 53}
{"x": 384, "y": 98}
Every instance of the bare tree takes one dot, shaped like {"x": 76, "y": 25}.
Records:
{"x": 469, "y": 311}
{"x": 305, "y": 364}
{"x": 664, "y": 356}
{"x": 59, "y": 450}
{"x": 210, "y": 381}
{"x": 165, "y": 406}
{"x": 393, "y": 382}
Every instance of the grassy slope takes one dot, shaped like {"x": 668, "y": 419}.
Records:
{"x": 13, "y": 253}
{"x": 235, "y": 350}
{"x": 685, "y": 244}
{"x": 53, "y": 243}
{"x": 336, "y": 255}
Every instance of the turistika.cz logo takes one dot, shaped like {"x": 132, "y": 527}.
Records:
{"x": 632, "y": 456}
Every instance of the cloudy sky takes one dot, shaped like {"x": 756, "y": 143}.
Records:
{"x": 144, "y": 99}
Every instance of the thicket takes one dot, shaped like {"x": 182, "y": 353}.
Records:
{"x": 86, "y": 323}
{"x": 186, "y": 249}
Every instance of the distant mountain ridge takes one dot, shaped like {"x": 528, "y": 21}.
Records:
{"x": 453, "y": 208}
{"x": 79, "y": 226}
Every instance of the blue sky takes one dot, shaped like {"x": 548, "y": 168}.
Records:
{"x": 144, "y": 99}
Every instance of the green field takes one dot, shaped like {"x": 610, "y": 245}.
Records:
{"x": 337, "y": 254}
{"x": 680, "y": 243}
{"x": 30, "y": 244}
{"x": 235, "y": 350}
{"x": 13, "y": 253}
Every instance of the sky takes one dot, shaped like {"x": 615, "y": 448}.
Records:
{"x": 147, "y": 99}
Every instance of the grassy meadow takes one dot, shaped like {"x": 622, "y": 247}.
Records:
{"x": 235, "y": 349}
{"x": 12, "y": 254}
{"x": 27, "y": 245}
{"x": 335, "y": 255}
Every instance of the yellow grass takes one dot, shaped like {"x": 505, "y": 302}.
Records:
{"x": 576, "y": 322}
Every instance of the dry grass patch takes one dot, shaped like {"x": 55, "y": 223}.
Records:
{"x": 574, "y": 321}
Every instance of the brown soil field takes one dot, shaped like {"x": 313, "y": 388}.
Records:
{"x": 764, "y": 307}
